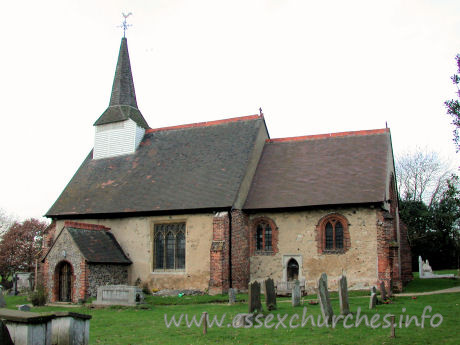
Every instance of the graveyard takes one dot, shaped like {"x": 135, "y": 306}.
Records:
{"x": 145, "y": 323}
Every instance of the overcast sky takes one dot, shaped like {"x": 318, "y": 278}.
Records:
{"x": 313, "y": 66}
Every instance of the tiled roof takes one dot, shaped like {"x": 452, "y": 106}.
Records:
{"x": 189, "y": 167}
{"x": 98, "y": 246}
{"x": 329, "y": 169}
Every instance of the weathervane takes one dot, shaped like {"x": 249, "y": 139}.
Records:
{"x": 125, "y": 25}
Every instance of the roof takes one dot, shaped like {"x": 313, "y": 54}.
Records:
{"x": 328, "y": 169}
{"x": 98, "y": 246}
{"x": 123, "y": 103}
{"x": 188, "y": 167}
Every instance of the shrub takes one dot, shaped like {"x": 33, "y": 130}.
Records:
{"x": 38, "y": 297}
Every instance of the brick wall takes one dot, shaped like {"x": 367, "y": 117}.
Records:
{"x": 406, "y": 256}
{"x": 240, "y": 250}
{"x": 219, "y": 260}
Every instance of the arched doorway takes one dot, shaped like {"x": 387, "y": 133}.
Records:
{"x": 292, "y": 270}
{"x": 64, "y": 280}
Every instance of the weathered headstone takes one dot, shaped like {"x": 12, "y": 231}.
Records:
{"x": 296, "y": 294}
{"x": 373, "y": 301}
{"x": 254, "y": 297}
{"x": 119, "y": 295}
{"x": 383, "y": 291}
{"x": 231, "y": 296}
{"x": 24, "y": 307}
{"x": 343, "y": 296}
{"x": 5, "y": 338}
{"x": 270, "y": 294}
{"x": 324, "y": 300}
{"x": 2, "y": 299}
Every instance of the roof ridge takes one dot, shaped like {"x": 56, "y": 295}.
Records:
{"x": 330, "y": 135}
{"x": 205, "y": 123}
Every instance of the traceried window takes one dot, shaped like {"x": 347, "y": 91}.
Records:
{"x": 264, "y": 237}
{"x": 169, "y": 246}
{"x": 334, "y": 235}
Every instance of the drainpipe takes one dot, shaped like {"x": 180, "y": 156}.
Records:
{"x": 230, "y": 285}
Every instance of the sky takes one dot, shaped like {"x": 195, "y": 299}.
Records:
{"x": 312, "y": 66}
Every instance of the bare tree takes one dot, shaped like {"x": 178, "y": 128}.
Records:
{"x": 6, "y": 220}
{"x": 422, "y": 175}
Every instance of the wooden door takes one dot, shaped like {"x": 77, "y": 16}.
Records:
{"x": 65, "y": 283}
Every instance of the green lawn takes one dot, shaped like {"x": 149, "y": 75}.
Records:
{"x": 147, "y": 326}
{"x": 424, "y": 285}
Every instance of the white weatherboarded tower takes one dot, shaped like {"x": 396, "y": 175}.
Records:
{"x": 121, "y": 127}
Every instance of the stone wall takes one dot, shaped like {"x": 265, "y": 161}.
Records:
{"x": 297, "y": 237}
{"x": 54, "y": 257}
{"x": 135, "y": 236}
{"x": 105, "y": 274}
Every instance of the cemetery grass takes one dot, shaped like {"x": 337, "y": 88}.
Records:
{"x": 426, "y": 285}
{"x": 123, "y": 325}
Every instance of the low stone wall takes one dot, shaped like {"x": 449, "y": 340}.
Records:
{"x": 106, "y": 274}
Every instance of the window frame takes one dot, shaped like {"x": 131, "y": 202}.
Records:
{"x": 254, "y": 240}
{"x": 175, "y": 228}
{"x": 322, "y": 242}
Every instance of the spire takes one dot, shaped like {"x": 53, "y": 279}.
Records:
{"x": 123, "y": 86}
{"x": 123, "y": 104}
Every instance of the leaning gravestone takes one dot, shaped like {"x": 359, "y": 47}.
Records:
{"x": 2, "y": 299}
{"x": 296, "y": 294}
{"x": 254, "y": 297}
{"x": 343, "y": 296}
{"x": 231, "y": 296}
{"x": 383, "y": 292}
{"x": 324, "y": 300}
{"x": 270, "y": 294}
{"x": 373, "y": 300}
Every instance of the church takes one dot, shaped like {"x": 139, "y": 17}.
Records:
{"x": 215, "y": 205}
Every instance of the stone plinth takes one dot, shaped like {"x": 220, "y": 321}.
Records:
{"x": 70, "y": 329}
{"x": 27, "y": 328}
{"x": 119, "y": 295}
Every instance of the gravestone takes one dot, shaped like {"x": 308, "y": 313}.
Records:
{"x": 324, "y": 299}
{"x": 296, "y": 294}
{"x": 373, "y": 290}
{"x": 119, "y": 295}
{"x": 24, "y": 281}
{"x": 24, "y": 307}
{"x": 254, "y": 297}
{"x": 383, "y": 291}
{"x": 270, "y": 294}
{"x": 373, "y": 301}
{"x": 2, "y": 299}
{"x": 5, "y": 338}
{"x": 231, "y": 296}
{"x": 343, "y": 296}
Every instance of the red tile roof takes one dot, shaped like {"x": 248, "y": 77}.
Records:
{"x": 205, "y": 124}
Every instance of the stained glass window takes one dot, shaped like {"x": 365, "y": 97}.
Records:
{"x": 169, "y": 246}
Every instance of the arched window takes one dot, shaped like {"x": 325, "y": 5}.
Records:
{"x": 169, "y": 246}
{"x": 264, "y": 236}
{"x": 333, "y": 235}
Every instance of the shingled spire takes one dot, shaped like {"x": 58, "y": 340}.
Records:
{"x": 123, "y": 104}
{"x": 123, "y": 86}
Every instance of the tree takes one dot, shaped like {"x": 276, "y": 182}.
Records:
{"x": 453, "y": 106}
{"x": 433, "y": 231}
{"x": 19, "y": 246}
{"x": 422, "y": 176}
{"x": 6, "y": 220}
